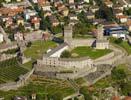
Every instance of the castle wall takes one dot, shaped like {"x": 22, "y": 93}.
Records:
{"x": 66, "y": 63}
{"x": 82, "y": 42}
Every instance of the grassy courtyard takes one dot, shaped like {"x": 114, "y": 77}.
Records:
{"x": 84, "y": 51}
{"x": 38, "y": 48}
{"x": 124, "y": 44}
{"x": 10, "y": 70}
{"x": 44, "y": 88}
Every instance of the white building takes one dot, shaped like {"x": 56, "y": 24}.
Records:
{"x": 119, "y": 34}
{"x": 87, "y": 1}
{"x": 35, "y": 1}
{"x": 28, "y": 13}
{"x": 1, "y": 38}
{"x": 46, "y": 7}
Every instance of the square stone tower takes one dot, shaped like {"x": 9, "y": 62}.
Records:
{"x": 101, "y": 41}
{"x": 68, "y": 34}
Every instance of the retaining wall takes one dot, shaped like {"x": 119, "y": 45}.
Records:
{"x": 15, "y": 85}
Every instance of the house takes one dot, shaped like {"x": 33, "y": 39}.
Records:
{"x": 128, "y": 25}
{"x": 127, "y": 98}
{"x": 118, "y": 6}
{"x": 33, "y": 96}
{"x": 124, "y": 4}
{"x": 42, "y": 2}
{"x": 115, "y": 98}
{"x": 122, "y": 18}
{"x": 73, "y": 17}
{"x": 53, "y": 20}
{"x": 27, "y": 26}
{"x": 117, "y": 32}
{"x": 4, "y": 18}
{"x": 29, "y": 13}
{"x": 65, "y": 11}
{"x": 60, "y": 7}
{"x": 20, "y": 20}
{"x": 46, "y": 7}
{"x": 18, "y": 36}
{"x": 90, "y": 15}
{"x": 87, "y": 1}
{"x": 47, "y": 13}
{"x": 117, "y": 12}
{"x": 12, "y": 11}
{"x": 79, "y": 6}
{"x": 97, "y": 21}
{"x": 108, "y": 3}
{"x": 8, "y": 22}
{"x": 57, "y": 3}
{"x": 71, "y": 1}
{"x": 35, "y": 21}
{"x": 109, "y": 24}
{"x": 35, "y": 1}
{"x": 94, "y": 8}
{"x": 72, "y": 22}
{"x": 72, "y": 6}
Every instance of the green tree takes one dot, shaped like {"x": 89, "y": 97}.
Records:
{"x": 65, "y": 54}
{"x": 118, "y": 41}
{"x": 105, "y": 13}
{"x": 85, "y": 92}
{"x": 118, "y": 74}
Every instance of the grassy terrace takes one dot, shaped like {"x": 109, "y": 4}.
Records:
{"x": 123, "y": 44}
{"x": 38, "y": 48}
{"x": 10, "y": 70}
{"x": 50, "y": 88}
{"x": 117, "y": 81}
{"x": 84, "y": 51}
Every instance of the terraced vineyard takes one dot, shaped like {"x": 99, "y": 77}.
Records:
{"x": 10, "y": 70}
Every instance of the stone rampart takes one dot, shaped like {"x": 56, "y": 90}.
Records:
{"x": 82, "y": 42}
{"x": 5, "y": 47}
{"x": 66, "y": 63}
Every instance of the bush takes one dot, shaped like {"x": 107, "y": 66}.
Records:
{"x": 118, "y": 41}
{"x": 65, "y": 54}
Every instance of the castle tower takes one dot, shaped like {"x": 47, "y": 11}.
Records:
{"x": 68, "y": 34}
{"x": 101, "y": 42}
{"x": 100, "y": 31}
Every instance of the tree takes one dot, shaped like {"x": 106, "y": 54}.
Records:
{"x": 85, "y": 92}
{"x": 118, "y": 41}
{"x": 105, "y": 13}
{"x": 65, "y": 54}
{"x": 118, "y": 74}
{"x": 21, "y": 28}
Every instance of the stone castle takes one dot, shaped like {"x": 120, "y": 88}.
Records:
{"x": 74, "y": 67}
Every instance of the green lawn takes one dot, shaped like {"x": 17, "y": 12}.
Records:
{"x": 84, "y": 51}
{"x": 28, "y": 65}
{"x": 80, "y": 81}
{"x": 55, "y": 90}
{"x": 123, "y": 44}
{"x": 10, "y": 70}
{"x": 83, "y": 36}
{"x": 38, "y": 48}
